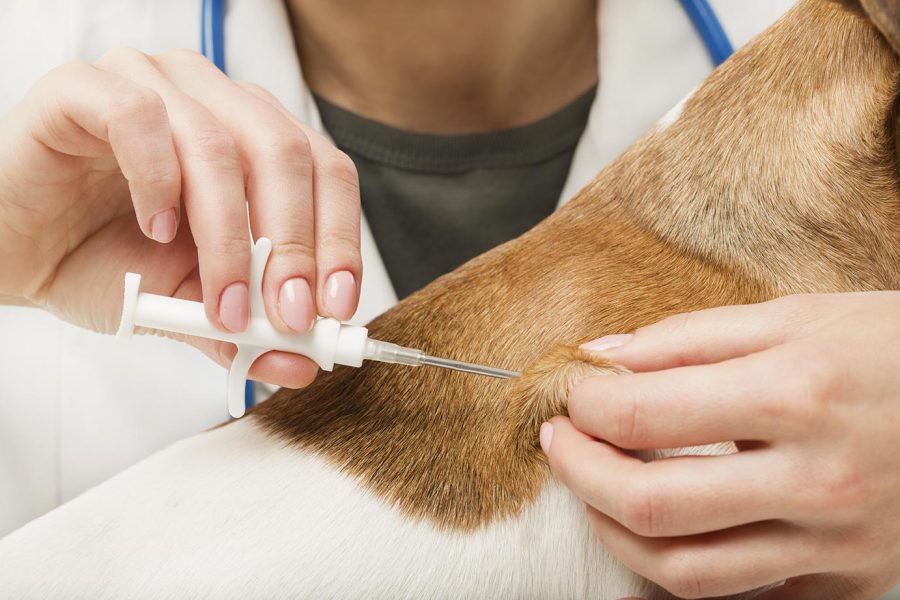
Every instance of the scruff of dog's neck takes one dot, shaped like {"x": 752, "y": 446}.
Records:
{"x": 783, "y": 164}
{"x": 778, "y": 177}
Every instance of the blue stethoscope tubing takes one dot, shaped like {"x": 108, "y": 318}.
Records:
{"x": 212, "y": 45}
{"x": 710, "y": 30}
{"x": 212, "y": 32}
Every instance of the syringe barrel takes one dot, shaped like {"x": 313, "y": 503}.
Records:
{"x": 327, "y": 343}
{"x": 178, "y": 316}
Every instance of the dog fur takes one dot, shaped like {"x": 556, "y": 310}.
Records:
{"x": 779, "y": 175}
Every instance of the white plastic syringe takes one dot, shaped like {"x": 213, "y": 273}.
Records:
{"x": 328, "y": 343}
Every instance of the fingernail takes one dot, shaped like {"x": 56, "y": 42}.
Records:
{"x": 546, "y": 437}
{"x": 607, "y": 342}
{"x": 163, "y": 226}
{"x": 233, "y": 307}
{"x": 340, "y": 295}
{"x": 295, "y": 304}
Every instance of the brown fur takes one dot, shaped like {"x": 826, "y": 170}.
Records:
{"x": 780, "y": 177}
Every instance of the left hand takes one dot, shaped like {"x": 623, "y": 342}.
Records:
{"x": 809, "y": 387}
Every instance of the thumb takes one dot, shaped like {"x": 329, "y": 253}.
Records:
{"x": 821, "y": 587}
{"x": 701, "y": 337}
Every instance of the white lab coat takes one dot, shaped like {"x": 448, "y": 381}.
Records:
{"x": 76, "y": 407}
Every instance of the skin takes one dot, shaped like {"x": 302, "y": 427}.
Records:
{"x": 148, "y": 164}
{"x": 808, "y": 386}
{"x": 469, "y": 72}
{"x": 96, "y": 151}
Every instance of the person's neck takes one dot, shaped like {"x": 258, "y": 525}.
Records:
{"x": 448, "y": 66}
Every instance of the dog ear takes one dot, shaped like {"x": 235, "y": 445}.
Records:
{"x": 885, "y": 14}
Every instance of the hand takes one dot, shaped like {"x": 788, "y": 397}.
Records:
{"x": 809, "y": 386}
{"x": 101, "y": 161}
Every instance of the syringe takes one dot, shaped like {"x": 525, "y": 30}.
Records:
{"x": 328, "y": 343}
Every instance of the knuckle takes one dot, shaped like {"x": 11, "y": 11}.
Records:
{"x": 122, "y": 56}
{"x": 137, "y": 102}
{"x": 58, "y": 76}
{"x": 216, "y": 144}
{"x": 643, "y": 512}
{"x": 680, "y": 575}
{"x": 626, "y": 418}
{"x": 228, "y": 246}
{"x": 259, "y": 91}
{"x": 343, "y": 244}
{"x": 292, "y": 148}
{"x": 793, "y": 306}
{"x": 186, "y": 56}
{"x": 679, "y": 323}
{"x": 75, "y": 67}
{"x": 842, "y": 491}
{"x": 340, "y": 168}
{"x": 678, "y": 326}
{"x": 300, "y": 251}
{"x": 160, "y": 176}
{"x": 813, "y": 380}
{"x": 581, "y": 404}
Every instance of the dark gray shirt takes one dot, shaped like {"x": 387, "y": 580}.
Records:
{"x": 435, "y": 201}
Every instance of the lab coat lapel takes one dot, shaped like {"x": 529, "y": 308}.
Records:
{"x": 259, "y": 47}
{"x": 649, "y": 57}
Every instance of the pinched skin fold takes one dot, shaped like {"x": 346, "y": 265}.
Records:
{"x": 461, "y": 451}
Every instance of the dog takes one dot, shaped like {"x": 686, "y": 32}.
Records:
{"x": 777, "y": 176}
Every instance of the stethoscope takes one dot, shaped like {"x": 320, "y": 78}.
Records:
{"x": 212, "y": 45}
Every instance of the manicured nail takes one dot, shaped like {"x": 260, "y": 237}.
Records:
{"x": 546, "y": 437}
{"x": 295, "y": 304}
{"x": 163, "y": 226}
{"x": 607, "y": 342}
{"x": 234, "y": 307}
{"x": 340, "y": 295}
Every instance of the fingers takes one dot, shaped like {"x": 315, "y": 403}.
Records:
{"x": 337, "y": 214}
{"x": 303, "y": 195}
{"x": 212, "y": 188}
{"x": 713, "y": 564}
{"x": 689, "y": 406}
{"x": 670, "y": 497}
{"x": 706, "y": 336}
{"x": 133, "y": 120}
{"x": 278, "y": 368}
{"x": 337, "y": 235}
{"x": 277, "y": 160}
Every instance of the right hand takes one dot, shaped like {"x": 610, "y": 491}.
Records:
{"x": 97, "y": 162}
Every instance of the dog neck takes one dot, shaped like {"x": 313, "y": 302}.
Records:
{"x": 783, "y": 164}
{"x": 753, "y": 191}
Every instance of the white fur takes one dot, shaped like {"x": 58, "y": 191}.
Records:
{"x": 234, "y": 513}
{"x": 673, "y": 113}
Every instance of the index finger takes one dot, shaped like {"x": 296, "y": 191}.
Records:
{"x": 732, "y": 400}
{"x": 704, "y": 336}
{"x": 212, "y": 188}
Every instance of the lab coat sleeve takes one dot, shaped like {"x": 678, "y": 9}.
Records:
{"x": 75, "y": 406}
